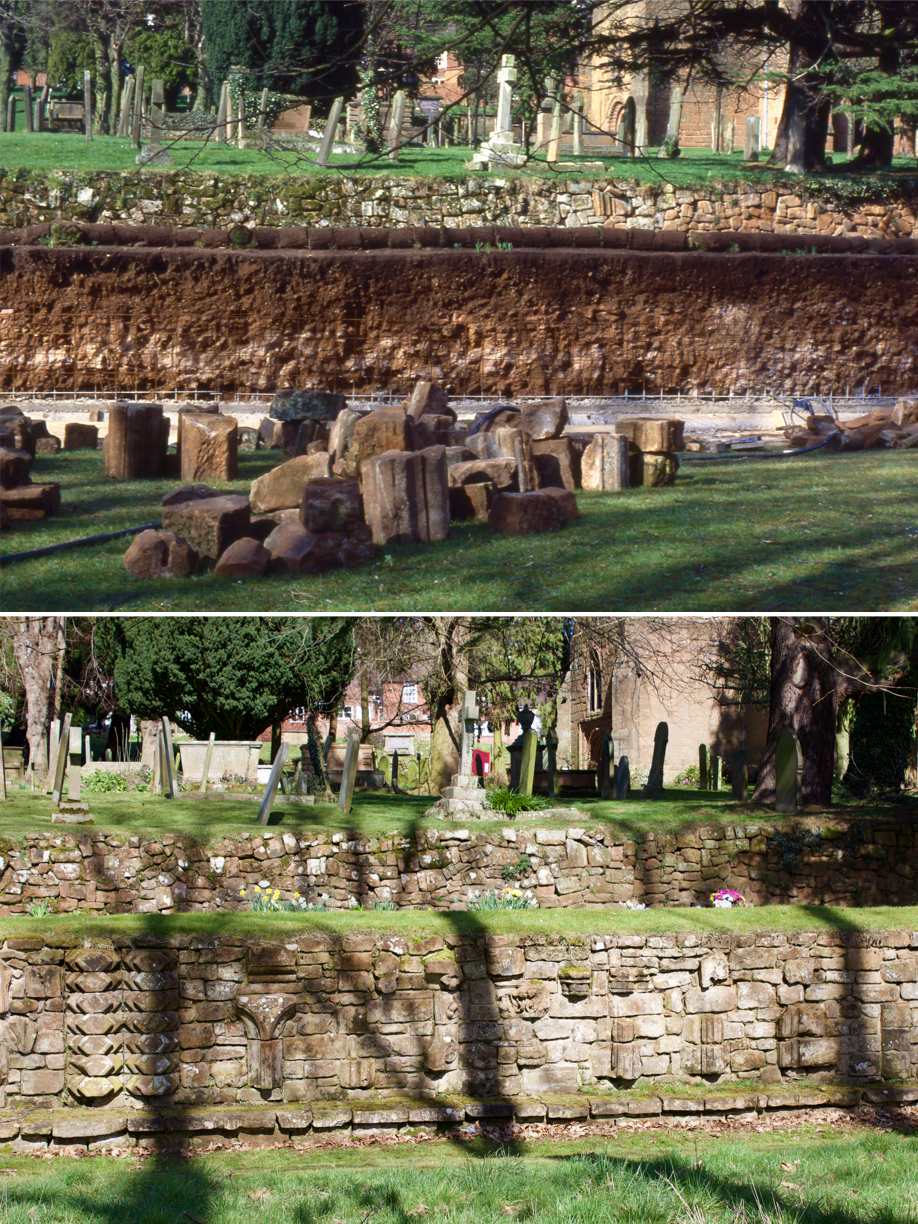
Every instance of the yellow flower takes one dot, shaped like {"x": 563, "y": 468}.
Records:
{"x": 296, "y": 896}
{"x": 276, "y": 893}
{"x": 241, "y": 892}
{"x": 257, "y": 889}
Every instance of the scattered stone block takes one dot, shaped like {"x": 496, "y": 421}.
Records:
{"x": 426, "y": 399}
{"x": 604, "y": 463}
{"x": 30, "y": 502}
{"x": 384, "y": 429}
{"x": 208, "y": 447}
{"x": 566, "y": 500}
{"x": 557, "y": 463}
{"x": 292, "y": 405}
{"x": 344, "y": 549}
{"x": 433, "y": 515}
{"x": 545, "y": 419}
{"x": 657, "y": 434}
{"x": 243, "y": 559}
{"x": 507, "y": 418}
{"x": 282, "y": 487}
{"x": 209, "y": 525}
{"x": 341, "y": 435}
{"x": 330, "y": 504}
{"x": 160, "y": 554}
{"x": 525, "y": 513}
{"x": 79, "y": 436}
{"x": 248, "y": 438}
{"x": 48, "y": 446}
{"x": 135, "y": 446}
{"x": 652, "y": 470}
{"x": 501, "y": 473}
{"x": 15, "y": 466}
{"x": 406, "y": 496}
{"x": 472, "y": 500}
{"x": 18, "y": 431}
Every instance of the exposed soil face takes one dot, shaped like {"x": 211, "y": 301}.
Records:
{"x": 590, "y": 322}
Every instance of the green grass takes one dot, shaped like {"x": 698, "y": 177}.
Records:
{"x": 416, "y": 924}
{"x": 815, "y": 1175}
{"x": 820, "y": 531}
{"x": 378, "y": 815}
{"x": 695, "y": 168}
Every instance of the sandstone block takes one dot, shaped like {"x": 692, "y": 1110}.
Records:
{"x": 545, "y": 418}
{"x": 244, "y": 558}
{"x": 657, "y": 434}
{"x": 135, "y": 445}
{"x": 384, "y": 429}
{"x": 499, "y": 472}
{"x": 747, "y": 1060}
{"x": 293, "y": 405}
{"x": 186, "y": 493}
{"x": 472, "y": 501}
{"x": 41, "y": 1083}
{"x": 406, "y": 496}
{"x": 208, "y": 447}
{"x": 557, "y": 463}
{"x": 652, "y": 470}
{"x": 716, "y": 999}
{"x": 282, "y": 487}
{"x": 48, "y": 446}
{"x": 18, "y": 431}
{"x": 209, "y": 525}
{"x": 31, "y": 501}
{"x": 809, "y": 1052}
{"x": 341, "y": 435}
{"x": 752, "y": 995}
{"x": 428, "y": 399}
{"x": 525, "y": 514}
{"x": 14, "y": 467}
{"x": 568, "y": 503}
{"x": 604, "y": 463}
{"x": 160, "y": 554}
{"x": 331, "y": 504}
{"x": 79, "y": 436}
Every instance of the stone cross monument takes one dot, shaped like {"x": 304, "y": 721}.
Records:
{"x": 500, "y": 148}
{"x": 464, "y": 797}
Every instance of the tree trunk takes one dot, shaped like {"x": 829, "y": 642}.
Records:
{"x": 36, "y": 647}
{"x": 108, "y": 122}
{"x": 103, "y": 82}
{"x": 876, "y": 146}
{"x": 6, "y": 71}
{"x": 805, "y": 694}
{"x": 365, "y": 728}
{"x": 800, "y": 142}
{"x": 332, "y": 732}
{"x": 843, "y": 738}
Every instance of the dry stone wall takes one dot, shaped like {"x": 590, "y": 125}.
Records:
{"x": 360, "y": 1020}
{"x": 847, "y": 863}
{"x": 189, "y": 199}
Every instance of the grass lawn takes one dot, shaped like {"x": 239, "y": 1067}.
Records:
{"x": 805, "y": 1175}
{"x": 380, "y": 815}
{"x": 695, "y": 168}
{"x": 810, "y": 533}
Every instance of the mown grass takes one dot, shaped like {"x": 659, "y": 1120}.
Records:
{"x": 809, "y": 533}
{"x": 812, "y": 1176}
{"x": 570, "y": 924}
{"x": 148, "y": 816}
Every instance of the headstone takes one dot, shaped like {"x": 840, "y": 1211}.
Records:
{"x": 715, "y": 772}
{"x": 87, "y": 103}
{"x": 506, "y": 78}
{"x": 11, "y": 113}
{"x": 654, "y": 787}
{"x": 577, "y": 125}
{"x": 554, "y": 137}
{"x": 675, "y": 114}
{"x": 468, "y": 716}
{"x": 628, "y": 127}
{"x": 353, "y": 113}
{"x": 751, "y": 144}
{"x": 223, "y": 111}
{"x": 605, "y": 753}
{"x": 396, "y": 121}
{"x": 528, "y": 761}
{"x": 622, "y": 779}
{"x": 267, "y": 798}
{"x": 729, "y": 133}
{"x": 328, "y": 136}
{"x": 551, "y": 760}
{"x": 500, "y": 147}
{"x": 262, "y": 110}
{"x": 395, "y": 770}
{"x": 107, "y": 755}
{"x": 73, "y": 781}
{"x": 137, "y": 118}
{"x": 240, "y": 121}
{"x": 87, "y": 750}
{"x": 207, "y": 759}
{"x": 27, "y": 106}
{"x": 127, "y": 109}
{"x": 738, "y": 774}
{"x": 640, "y": 132}
{"x": 788, "y": 768}
{"x": 60, "y": 762}
{"x": 348, "y": 777}
{"x": 479, "y": 769}
{"x": 702, "y": 767}
{"x": 170, "y": 785}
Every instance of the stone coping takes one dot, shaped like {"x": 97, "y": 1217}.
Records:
{"x": 50, "y": 1129}
{"x": 244, "y": 241}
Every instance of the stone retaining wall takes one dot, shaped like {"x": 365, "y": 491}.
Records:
{"x": 372, "y": 1022}
{"x": 845, "y": 862}
{"x": 187, "y": 198}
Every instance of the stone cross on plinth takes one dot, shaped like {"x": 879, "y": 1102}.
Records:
{"x": 468, "y": 716}
{"x": 506, "y": 79}
{"x": 500, "y": 147}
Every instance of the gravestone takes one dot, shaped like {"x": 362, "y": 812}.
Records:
{"x": 729, "y": 133}
{"x": 528, "y": 761}
{"x": 715, "y": 771}
{"x": 353, "y": 113}
{"x": 11, "y": 113}
{"x": 349, "y": 774}
{"x": 27, "y": 106}
{"x": 267, "y": 798}
{"x": 223, "y": 110}
{"x": 73, "y": 781}
{"x": 500, "y": 147}
{"x": 627, "y": 128}
{"x": 654, "y": 786}
{"x": 577, "y": 125}
{"x": 262, "y": 111}
{"x": 605, "y": 752}
{"x": 622, "y": 779}
{"x": 479, "y": 769}
{"x": 127, "y": 109}
{"x": 788, "y": 770}
{"x": 738, "y": 774}
{"x": 137, "y": 117}
{"x": 396, "y": 121}
{"x": 551, "y": 760}
{"x": 170, "y": 785}
{"x": 328, "y": 136}
{"x": 207, "y": 759}
{"x": 675, "y": 114}
{"x": 60, "y": 760}
{"x": 240, "y": 122}
{"x": 702, "y": 767}
{"x": 751, "y": 143}
{"x": 87, "y": 103}
{"x": 395, "y": 770}
{"x": 468, "y": 715}
{"x": 554, "y": 137}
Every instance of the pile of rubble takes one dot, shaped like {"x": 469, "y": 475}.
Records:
{"x": 21, "y": 439}
{"x": 891, "y": 427}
